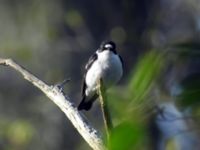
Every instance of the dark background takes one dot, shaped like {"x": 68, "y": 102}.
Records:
{"x": 54, "y": 39}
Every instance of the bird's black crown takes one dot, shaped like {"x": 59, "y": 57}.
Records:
{"x": 108, "y": 45}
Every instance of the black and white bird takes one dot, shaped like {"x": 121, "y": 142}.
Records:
{"x": 104, "y": 64}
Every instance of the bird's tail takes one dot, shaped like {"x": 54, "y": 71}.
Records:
{"x": 86, "y": 105}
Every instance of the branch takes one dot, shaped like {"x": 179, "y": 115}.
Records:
{"x": 56, "y": 95}
{"x": 104, "y": 108}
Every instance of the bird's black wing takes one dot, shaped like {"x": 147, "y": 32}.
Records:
{"x": 90, "y": 61}
{"x": 84, "y": 104}
{"x": 87, "y": 66}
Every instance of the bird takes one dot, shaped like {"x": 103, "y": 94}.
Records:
{"x": 106, "y": 65}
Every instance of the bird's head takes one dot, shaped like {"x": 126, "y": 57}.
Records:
{"x": 108, "y": 45}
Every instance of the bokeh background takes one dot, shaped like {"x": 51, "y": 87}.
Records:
{"x": 155, "y": 105}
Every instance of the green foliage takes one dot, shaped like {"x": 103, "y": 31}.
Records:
{"x": 131, "y": 132}
{"x": 143, "y": 77}
{"x": 117, "y": 100}
{"x": 141, "y": 82}
{"x": 191, "y": 91}
{"x": 126, "y": 136}
{"x": 146, "y": 72}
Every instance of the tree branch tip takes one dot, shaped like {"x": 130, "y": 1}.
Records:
{"x": 5, "y": 61}
{"x": 62, "y": 84}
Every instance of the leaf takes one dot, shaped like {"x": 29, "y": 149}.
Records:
{"x": 126, "y": 136}
{"x": 147, "y": 70}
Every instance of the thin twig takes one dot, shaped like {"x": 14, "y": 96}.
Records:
{"x": 54, "y": 93}
{"x": 104, "y": 107}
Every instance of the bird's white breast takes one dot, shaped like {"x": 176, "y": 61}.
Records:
{"x": 107, "y": 67}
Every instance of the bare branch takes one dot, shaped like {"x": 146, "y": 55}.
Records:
{"x": 91, "y": 136}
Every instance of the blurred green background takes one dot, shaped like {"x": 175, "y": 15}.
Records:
{"x": 159, "y": 43}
